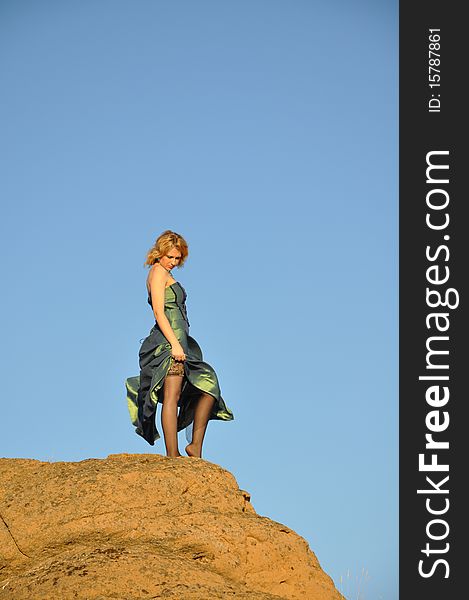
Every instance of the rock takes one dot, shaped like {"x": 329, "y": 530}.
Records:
{"x": 144, "y": 526}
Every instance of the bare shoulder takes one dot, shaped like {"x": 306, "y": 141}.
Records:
{"x": 157, "y": 274}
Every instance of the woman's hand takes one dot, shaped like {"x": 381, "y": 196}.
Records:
{"x": 177, "y": 352}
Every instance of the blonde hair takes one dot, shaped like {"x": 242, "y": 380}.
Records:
{"x": 167, "y": 240}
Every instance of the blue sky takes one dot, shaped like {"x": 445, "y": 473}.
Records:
{"x": 265, "y": 132}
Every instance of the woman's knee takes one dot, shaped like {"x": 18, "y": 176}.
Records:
{"x": 206, "y": 397}
{"x": 170, "y": 399}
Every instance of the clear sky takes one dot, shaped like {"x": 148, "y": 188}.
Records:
{"x": 265, "y": 132}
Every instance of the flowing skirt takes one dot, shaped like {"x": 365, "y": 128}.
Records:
{"x": 144, "y": 391}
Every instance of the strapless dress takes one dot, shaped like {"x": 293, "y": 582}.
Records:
{"x": 145, "y": 390}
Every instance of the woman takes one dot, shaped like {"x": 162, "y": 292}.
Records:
{"x": 172, "y": 369}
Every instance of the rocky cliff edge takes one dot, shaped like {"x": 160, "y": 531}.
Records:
{"x": 144, "y": 526}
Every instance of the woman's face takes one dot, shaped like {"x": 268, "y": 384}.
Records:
{"x": 171, "y": 259}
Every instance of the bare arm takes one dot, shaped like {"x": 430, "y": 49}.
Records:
{"x": 157, "y": 288}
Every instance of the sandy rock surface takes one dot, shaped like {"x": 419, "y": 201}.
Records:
{"x": 143, "y": 526}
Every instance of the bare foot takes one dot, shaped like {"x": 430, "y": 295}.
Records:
{"x": 191, "y": 450}
{"x": 175, "y": 455}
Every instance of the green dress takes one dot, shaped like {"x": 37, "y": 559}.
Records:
{"x": 144, "y": 391}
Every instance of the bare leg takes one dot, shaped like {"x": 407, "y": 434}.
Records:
{"x": 172, "y": 391}
{"x": 201, "y": 415}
